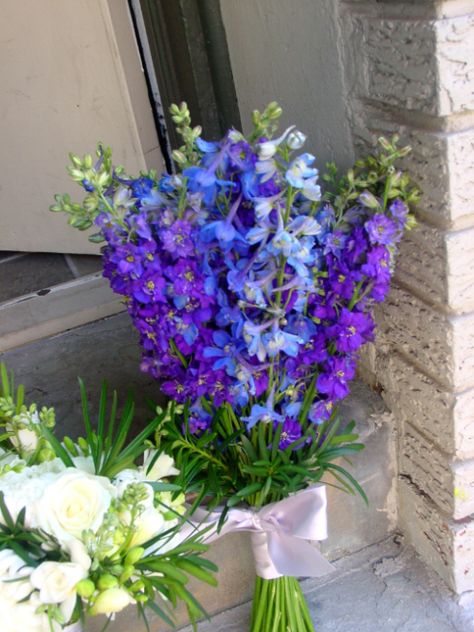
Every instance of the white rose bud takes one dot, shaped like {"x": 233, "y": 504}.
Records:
{"x": 73, "y": 502}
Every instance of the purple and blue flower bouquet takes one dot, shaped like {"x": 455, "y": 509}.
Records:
{"x": 253, "y": 289}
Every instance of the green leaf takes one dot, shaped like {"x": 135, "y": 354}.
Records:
{"x": 9, "y": 522}
{"x": 249, "y": 490}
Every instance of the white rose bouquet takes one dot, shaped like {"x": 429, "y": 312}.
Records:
{"x": 84, "y": 530}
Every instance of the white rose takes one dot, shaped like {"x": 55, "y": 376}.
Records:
{"x": 110, "y": 601}
{"x": 56, "y": 582}
{"x": 73, "y": 502}
{"x": 161, "y": 468}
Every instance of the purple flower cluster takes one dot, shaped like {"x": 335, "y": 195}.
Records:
{"x": 244, "y": 286}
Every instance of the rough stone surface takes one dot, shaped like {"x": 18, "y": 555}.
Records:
{"x": 441, "y": 162}
{"x": 415, "y": 64}
{"x": 439, "y": 343}
{"x": 385, "y": 587}
{"x": 428, "y": 468}
{"x": 447, "y": 545}
{"x": 455, "y": 54}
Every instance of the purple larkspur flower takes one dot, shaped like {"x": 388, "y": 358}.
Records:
{"x": 380, "y": 229}
{"x": 149, "y": 288}
{"x": 321, "y": 411}
{"x": 334, "y": 243}
{"x": 352, "y": 330}
{"x": 177, "y": 239}
{"x": 333, "y": 382}
{"x": 377, "y": 265}
{"x": 399, "y": 212}
{"x": 290, "y": 433}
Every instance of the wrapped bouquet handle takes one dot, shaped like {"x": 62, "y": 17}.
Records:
{"x": 281, "y": 533}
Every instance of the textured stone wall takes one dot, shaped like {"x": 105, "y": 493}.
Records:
{"x": 410, "y": 69}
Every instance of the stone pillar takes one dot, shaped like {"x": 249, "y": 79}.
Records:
{"x": 410, "y": 69}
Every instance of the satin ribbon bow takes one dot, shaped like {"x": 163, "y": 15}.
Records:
{"x": 281, "y": 533}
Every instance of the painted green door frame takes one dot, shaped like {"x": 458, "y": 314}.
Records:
{"x": 188, "y": 50}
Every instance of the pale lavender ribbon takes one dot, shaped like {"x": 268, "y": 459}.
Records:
{"x": 281, "y": 533}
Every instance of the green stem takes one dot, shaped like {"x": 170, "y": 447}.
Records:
{"x": 279, "y": 606}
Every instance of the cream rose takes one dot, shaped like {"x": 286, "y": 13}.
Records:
{"x": 56, "y": 582}
{"x": 73, "y": 502}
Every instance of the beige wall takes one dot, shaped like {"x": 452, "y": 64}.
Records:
{"x": 70, "y": 75}
{"x": 291, "y": 52}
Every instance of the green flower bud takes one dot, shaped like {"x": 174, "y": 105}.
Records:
{"x": 70, "y": 446}
{"x": 46, "y": 454}
{"x": 134, "y": 555}
{"x": 107, "y": 581}
{"x": 141, "y": 598}
{"x": 85, "y": 588}
{"x": 137, "y": 586}
{"x": 128, "y": 571}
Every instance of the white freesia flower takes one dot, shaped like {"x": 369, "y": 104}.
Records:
{"x": 126, "y": 478}
{"x": 148, "y": 524}
{"x": 78, "y": 553}
{"x": 161, "y": 468}
{"x": 24, "y": 439}
{"x": 73, "y": 502}
{"x": 56, "y": 582}
{"x": 111, "y": 600}
{"x": 84, "y": 463}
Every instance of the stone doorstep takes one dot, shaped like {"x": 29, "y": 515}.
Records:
{"x": 352, "y": 525}
{"x": 108, "y": 349}
{"x": 383, "y": 587}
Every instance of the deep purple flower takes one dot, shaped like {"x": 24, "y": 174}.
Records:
{"x": 177, "y": 239}
{"x": 338, "y": 372}
{"x": 380, "y": 229}
{"x": 291, "y": 432}
{"x": 399, "y": 212}
{"x": 352, "y": 330}
{"x": 321, "y": 411}
{"x": 149, "y": 288}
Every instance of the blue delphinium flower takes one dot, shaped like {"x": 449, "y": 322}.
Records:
{"x": 244, "y": 286}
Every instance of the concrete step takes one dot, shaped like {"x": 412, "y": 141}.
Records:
{"x": 108, "y": 349}
{"x": 384, "y": 587}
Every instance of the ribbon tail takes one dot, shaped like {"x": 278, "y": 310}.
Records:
{"x": 295, "y": 557}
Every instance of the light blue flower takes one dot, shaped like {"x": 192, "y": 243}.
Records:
{"x": 262, "y": 414}
{"x": 299, "y": 171}
{"x": 280, "y": 340}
